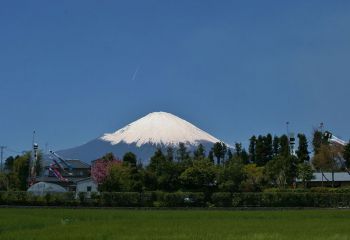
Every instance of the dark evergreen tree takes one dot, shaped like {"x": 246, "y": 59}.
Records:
{"x": 238, "y": 149}
{"x": 211, "y": 156}
{"x": 156, "y": 161}
{"x": 268, "y": 148}
{"x": 219, "y": 150}
{"x": 260, "y": 151}
{"x": 224, "y": 151}
{"x": 9, "y": 163}
{"x": 182, "y": 153}
{"x": 170, "y": 154}
{"x": 302, "y": 151}
{"x": 229, "y": 154}
{"x": 284, "y": 146}
{"x": 346, "y": 155}
{"x": 252, "y": 149}
{"x": 130, "y": 159}
{"x": 276, "y": 145}
{"x": 199, "y": 153}
{"x": 162, "y": 174}
{"x": 245, "y": 156}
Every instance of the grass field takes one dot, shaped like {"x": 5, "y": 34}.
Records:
{"x": 181, "y": 224}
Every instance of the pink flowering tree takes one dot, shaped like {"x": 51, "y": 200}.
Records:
{"x": 100, "y": 167}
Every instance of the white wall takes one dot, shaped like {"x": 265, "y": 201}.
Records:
{"x": 82, "y": 186}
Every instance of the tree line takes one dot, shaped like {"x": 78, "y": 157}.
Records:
{"x": 269, "y": 162}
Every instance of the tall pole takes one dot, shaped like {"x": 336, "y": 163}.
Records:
{"x": 1, "y": 157}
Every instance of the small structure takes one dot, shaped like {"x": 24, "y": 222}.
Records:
{"x": 87, "y": 186}
{"x": 42, "y": 188}
{"x": 341, "y": 179}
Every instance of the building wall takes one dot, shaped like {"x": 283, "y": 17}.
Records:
{"x": 87, "y": 186}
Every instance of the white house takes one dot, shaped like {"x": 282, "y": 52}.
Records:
{"x": 86, "y": 185}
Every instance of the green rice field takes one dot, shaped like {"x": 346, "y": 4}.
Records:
{"x": 38, "y": 223}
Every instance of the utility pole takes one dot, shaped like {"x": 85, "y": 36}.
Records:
{"x": 1, "y": 157}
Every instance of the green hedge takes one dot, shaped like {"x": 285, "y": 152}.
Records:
{"x": 290, "y": 199}
{"x": 314, "y": 198}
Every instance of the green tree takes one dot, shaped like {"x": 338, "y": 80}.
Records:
{"x": 302, "y": 151}
{"x": 284, "y": 146}
{"x": 305, "y": 173}
{"x": 252, "y": 149}
{"x": 211, "y": 156}
{"x": 327, "y": 159}
{"x": 230, "y": 176}
{"x": 346, "y": 155}
{"x": 268, "y": 147}
{"x": 318, "y": 140}
{"x": 4, "y": 183}
{"x": 200, "y": 177}
{"x": 238, "y": 149}
{"x": 253, "y": 178}
{"x": 276, "y": 145}
{"x": 170, "y": 154}
{"x": 182, "y": 153}
{"x": 129, "y": 159}
{"x": 281, "y": 170}
{"x": 229, "y": 154}
{"x": 9, "y": 163}
{"x": 21, "y": 170}
{"x": 162, "y": 174}
{"x": 245, "y": 156}
{"x": 219, "y": 149}
{"x": 260, "y": 151}
{"x": 199, "y": 153}
{"x": 117, "y": 179}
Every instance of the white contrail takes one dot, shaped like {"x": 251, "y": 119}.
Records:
{"x": 135, "y": 73}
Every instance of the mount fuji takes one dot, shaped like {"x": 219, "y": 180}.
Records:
{"x": 143, "y": 137}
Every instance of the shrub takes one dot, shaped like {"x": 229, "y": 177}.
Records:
{"x": 222, "y": 199}
{"x": 120, "y": 199}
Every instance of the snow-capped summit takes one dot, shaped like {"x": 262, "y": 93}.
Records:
{"x": 159, "y": 128}
{"x": 143, "y": 137}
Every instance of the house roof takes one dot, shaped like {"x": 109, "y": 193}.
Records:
{"x": 85, "y": 180}
{"x": 327, "y": 176}
{"x": 78, "y": 164}
{"x": 56, "y": 180}
{"x": 75, "y": 163}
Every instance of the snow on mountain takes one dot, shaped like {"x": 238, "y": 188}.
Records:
{"x": 159, "y": 128}
{"x": 143, "y": 137}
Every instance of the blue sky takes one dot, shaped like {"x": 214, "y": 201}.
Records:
{"x": 73, "y": 70}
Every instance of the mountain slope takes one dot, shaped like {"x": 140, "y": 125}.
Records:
{"x": 143, "y": 137}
